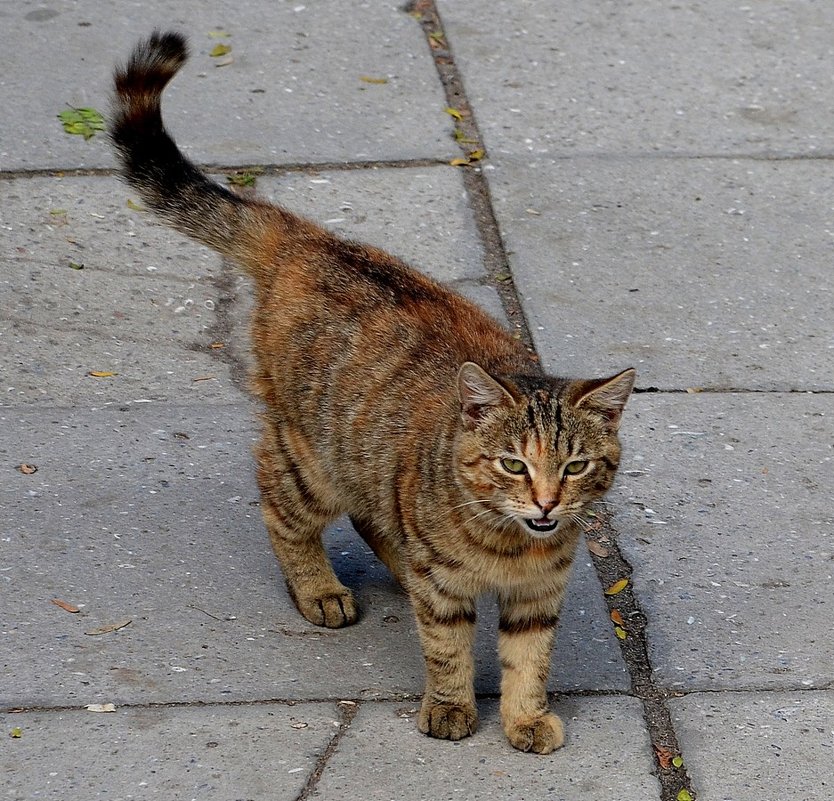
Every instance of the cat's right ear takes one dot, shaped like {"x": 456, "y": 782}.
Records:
{"x": 479, "y": 394}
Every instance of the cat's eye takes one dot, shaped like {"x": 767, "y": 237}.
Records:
{"x": 575, "y": 468}
{"x": 514, "y": 466}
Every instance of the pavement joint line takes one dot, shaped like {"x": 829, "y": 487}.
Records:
{"x": 634, "y": 648}
{"x": 347, "y": 712}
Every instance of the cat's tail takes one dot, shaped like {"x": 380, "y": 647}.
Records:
{"x": 168, "y": 183}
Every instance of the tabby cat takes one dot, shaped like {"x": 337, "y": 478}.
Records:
{"x": 393, "y": 400}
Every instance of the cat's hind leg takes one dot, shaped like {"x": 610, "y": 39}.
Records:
{"x": 296, "y": 506}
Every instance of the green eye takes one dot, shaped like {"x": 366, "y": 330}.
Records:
{"x": 575, "y": 468}
{"x": 514, "y": 466}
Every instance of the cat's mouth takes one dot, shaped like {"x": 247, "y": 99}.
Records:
{"x": 541, "y": 526}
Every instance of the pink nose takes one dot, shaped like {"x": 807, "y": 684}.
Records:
{"x": 546, "y": 506}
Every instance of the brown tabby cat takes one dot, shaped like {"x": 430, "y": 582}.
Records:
{"x": 395, "y": 401}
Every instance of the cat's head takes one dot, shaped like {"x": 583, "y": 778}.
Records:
{"x": 537, "y": 451}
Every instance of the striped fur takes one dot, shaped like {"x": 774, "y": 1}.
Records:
{"x": 391, "y": 399}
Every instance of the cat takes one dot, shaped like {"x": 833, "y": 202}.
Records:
{"x": 393, "y": 400}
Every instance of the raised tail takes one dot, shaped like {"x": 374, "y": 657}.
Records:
{"x": 166, "y": 180}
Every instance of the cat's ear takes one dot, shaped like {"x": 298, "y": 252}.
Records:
{"x": 479, "y": 393}
{"x": 608, "y": 396}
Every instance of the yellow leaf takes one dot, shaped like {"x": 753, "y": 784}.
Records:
{"x": 620, "y": 632}
{"x": 459, "y": 162}
{"x": 101, "y": 373}
{"x": 369, "y": 79}
{"x": 684, "y": 795}
{"x": 134, "y": 206}
{"x": 218, "y": 35}
{"x": 617, "y": 586}
{"x": 678, "y": 762}
{"x": 220, "y": 50}
{"x": 476, "y": 155}
{"x": 453, "y": 112}
{"x": 16, "y": 733}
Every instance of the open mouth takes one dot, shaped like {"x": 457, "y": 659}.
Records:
{"x": 542, "y": 525}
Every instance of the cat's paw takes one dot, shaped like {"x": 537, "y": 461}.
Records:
{"x": 447, "y": 721}
{"x": 332, "y": 610}
{"x": 540, "y": 735}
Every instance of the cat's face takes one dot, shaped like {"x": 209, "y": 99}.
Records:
{"x": 537, "y": 452}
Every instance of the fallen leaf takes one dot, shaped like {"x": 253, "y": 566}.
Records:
{"x": 65, "y": 606}
{"x": 27, "y": 469}
{"x": 101, "y": 707}
{"x": 694, "y": 390}
{"x": 476, "y": 155}
{"x": 16, "y": 732}
{"x": 617, "y": 617}
{"x": 84, "y": 122}
{"x": 684, "y": 795}
{"x": 245, "y": 177}
{"x": 217, "y": 345}
{"x": 461, "y": 137}
{"x": 224, "y": 62}
{"x": 218, "y": 34}
{"x": 220, "y": 50}
{"x": 58, "y": 212}
{"x": 370, "y": 79}
{"x": 204, "y": 378}
{"x": 503, "y": 277}
{"x": 453, "y": 112}
{"x": 617, "y": 586}
{"x": 598, "y": 549}
{"x": 678, "y": 762}
{"x": 459, "y": 162}
{"x": 620, "y": 632}
{"x": 436, "y": 39}
{"x": 664, "y": 756}
{"x": 107, "y": 629}
{"x": 299, "y": 725}
{"x": 101, "y": 373}
{"x": 75, "y": 265}
{"x": 135, "y": 206}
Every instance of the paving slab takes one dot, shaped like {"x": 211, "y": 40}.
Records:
{"x": 220, "y": 752}
{"x": 294, "y": 92}
{"x": 607, "y": 755}
{"x": 757, "y": 747}
{"x": 420, "y": 214}
{"x": 724, "y": 509}
{"x": 697, "y": 272}
{"x": 637, "y": 77}
{"x": 151, "y": 515}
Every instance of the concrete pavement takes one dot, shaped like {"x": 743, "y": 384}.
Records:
{"x": 657, "y": 192}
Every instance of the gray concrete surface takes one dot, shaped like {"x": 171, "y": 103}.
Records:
{"x": 659, "y": 181}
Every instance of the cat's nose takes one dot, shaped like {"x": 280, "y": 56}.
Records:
{"x": 546, "y": 506}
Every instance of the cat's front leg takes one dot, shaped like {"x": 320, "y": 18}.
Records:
{"x": 526, "y": 630}
{"x": 446, "y": 625}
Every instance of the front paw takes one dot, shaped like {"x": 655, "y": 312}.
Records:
{"x": 540, "y": 735}
{"x": 447, "y": 721}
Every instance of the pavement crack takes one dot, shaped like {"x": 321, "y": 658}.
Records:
{"x": 347, "y": 712}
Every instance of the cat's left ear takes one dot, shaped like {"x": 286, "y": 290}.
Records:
{"x": 479, "y": 393}
{"x": 608, "y": 396}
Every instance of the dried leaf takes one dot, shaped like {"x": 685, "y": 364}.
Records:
{"x": 101, "y": 707}
{"x": 16, "y": 732}
{"x": 299, "y": 725}
{"x": 684, "y": 795}
{"x": 67, "y": 607}
{"x": 503, "y": 277}
{"x": 678, "y": 762}
{"x": 220, "y": 50}
{"x": 27, "y": 469}
{"x": 107, "y": 629}
{"x": 217, "y": 345}
{"x": 694, "y": 390}
{"x": 620, "y": 632}
{"x": 664, "y": 756}
{"x": 101, "y": 373}
{"x": 453, "y": 112}
{"x": 617, "y": 587}
{"x": 370, "y": 79}
{"x": 597, "y": 549}
{"x": 617, "y": 617}
{"x": 463, "y": 139}
{"x": 204, "y": 378}
{"x": 459, "y": 162}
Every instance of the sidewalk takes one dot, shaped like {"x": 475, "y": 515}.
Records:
{"x": 657, "y": 192}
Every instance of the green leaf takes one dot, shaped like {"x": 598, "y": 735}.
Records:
{"x": 684, "y": 795}
{"x": 220, "y": 50}
{"x": 74, "y": 265}
{"x": 678, "y": 762}
{"x": 81, "y": 121}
